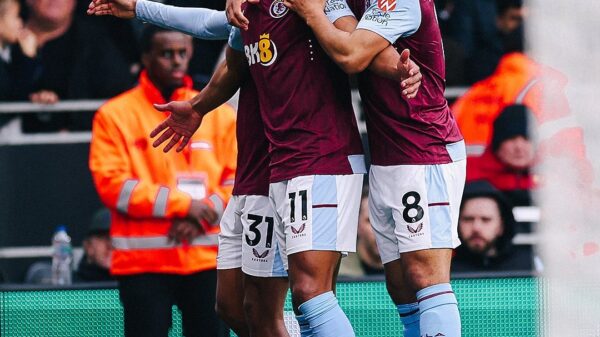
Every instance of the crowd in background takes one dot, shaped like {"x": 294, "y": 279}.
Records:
{"x": 51, "y": 51}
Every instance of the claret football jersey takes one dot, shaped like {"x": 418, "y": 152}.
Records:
{"x": 304, "y": 97}
{"x": 405, "y": 131}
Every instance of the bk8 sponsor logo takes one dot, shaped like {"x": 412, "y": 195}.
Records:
{"x": 263, "y": 52}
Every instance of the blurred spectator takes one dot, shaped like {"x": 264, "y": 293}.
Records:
{"x": 507, "y": 162}
{"x": 94, "y": 266}
{"x": 163, "y": 206}
{"x": 520, "y": 80}
{"x": 454, "y": 52}
{"x": 366, "y": 261}
{"x": 206, "y": 52}
{"x": 486, "y": 229}
{"x": 11, "y": 36}
{"x": 11, "y": 32}
{"x": 75, "y": 60}
{"x": 486, "y": 29}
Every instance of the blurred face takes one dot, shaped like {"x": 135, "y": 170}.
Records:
{"x": 52, "y": 11}
{"x": 98, "y": 249}
{"x": 510, "y": 20}
{"x": 10, "y": 22}
{"x": 480, "y": 224}
{"x": 167, "y": 61}
{"x": 516, "y": 152}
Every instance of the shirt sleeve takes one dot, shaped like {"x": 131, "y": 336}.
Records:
{"x": 335, "y": 9}
{"x": 392, "y": 19}
{"x": 235, "y": 40}
{"x": 202, "y": 23}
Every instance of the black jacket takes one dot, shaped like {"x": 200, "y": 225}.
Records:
{"x": 509, "y": 257}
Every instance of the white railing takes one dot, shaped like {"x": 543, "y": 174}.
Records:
{"x": 11, "y": 134}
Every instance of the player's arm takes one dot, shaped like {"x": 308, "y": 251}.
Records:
{"x": 355, "y": 50}
{"x": 388, "y": 63}
{"x": 202, "y": 23}
{"x": 186, "y": 116}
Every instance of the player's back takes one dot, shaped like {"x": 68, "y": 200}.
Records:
{"x": 304, "y": 97}
{"x": 414, "y": 131}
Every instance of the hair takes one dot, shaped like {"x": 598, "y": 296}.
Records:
{"x": 4, "y": 4}
{"x": 147, "y": 35}
{"x": 502, "y": 6}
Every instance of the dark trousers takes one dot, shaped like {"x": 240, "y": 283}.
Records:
{"x": 148, "y": 300}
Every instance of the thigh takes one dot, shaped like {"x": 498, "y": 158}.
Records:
{"x": 420, "y": 206}
{"x": 320, "y": 213}
{"x": 230, "y": 237}
{"x": 261, "y": 255}
{"x": 196, "y": 300}
{"x": 147, "y": 303}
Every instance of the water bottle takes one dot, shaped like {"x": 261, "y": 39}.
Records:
{"x": 62, "y": 257}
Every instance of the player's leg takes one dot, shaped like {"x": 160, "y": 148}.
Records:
{"x": 230, "y": 279}
{"x": 230, "y": 300}
{"x": 265, "y": 277}
{"x": 147, "y": 301}
{"x": 382, "y": 221}
{"x": 424, "y": 211}
{"x": 263, "y": 304}
{"x": 404, "y": 297}
{"x": 320, "y": 215}
{"x": 428, "y": 271}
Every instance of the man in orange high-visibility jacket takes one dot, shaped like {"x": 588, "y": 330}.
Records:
{"x": 520, "y": 80}
{"x": 163, "y": 204}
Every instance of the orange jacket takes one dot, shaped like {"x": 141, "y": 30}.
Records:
{"x": 519, "y": 80}
{"x": 144, "y": 186}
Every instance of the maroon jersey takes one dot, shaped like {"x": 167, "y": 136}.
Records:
{"x": 304, "y": 98}
{"x": 252, "y": 174}
{"x": 401, "y": 131}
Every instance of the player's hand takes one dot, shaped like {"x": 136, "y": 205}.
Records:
{"x": 44, "y": 97}
{"x": 184, "y": 230}
{"x": 235, "y": 15}
{"x": 410, "y": 75}
{"x": 305, "y": 8}
{"x": 180, "y": 125}
{"x": 124, "y": 9}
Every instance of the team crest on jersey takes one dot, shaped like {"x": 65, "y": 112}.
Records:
{"x": 278, "y": 9}
{"x": 263, "y": 52}
{"x": 386, "y": 5}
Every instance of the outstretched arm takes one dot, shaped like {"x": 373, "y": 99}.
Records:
{"x": 202, "y": 23}
{"x": 186, "y": 116}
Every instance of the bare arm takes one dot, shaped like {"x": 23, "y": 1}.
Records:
{"x": 389, "y": 63}
{"x": 223, "y": 84}
{"x": 353, "y": 50}
{"x": 186, "y": 116}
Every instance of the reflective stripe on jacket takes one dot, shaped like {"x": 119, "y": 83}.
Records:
{"x": 144, "y": 187}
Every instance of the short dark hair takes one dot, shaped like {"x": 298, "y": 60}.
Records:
{"x": 502, "y": 6}
{"x": 148, "y": 33}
